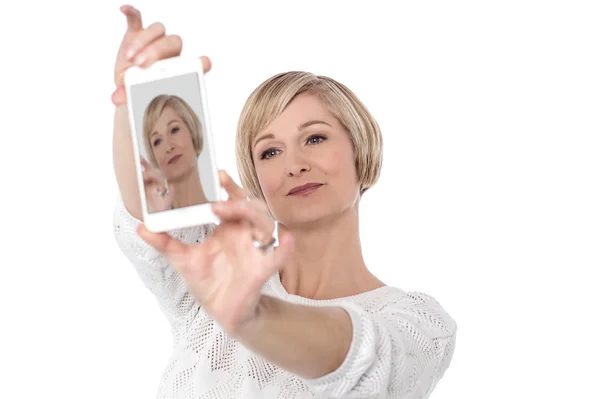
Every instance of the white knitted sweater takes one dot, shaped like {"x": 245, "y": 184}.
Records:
{"x": 402, "y": 342}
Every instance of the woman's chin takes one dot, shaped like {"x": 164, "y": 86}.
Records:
{"x": 178, "y": 172}
{"x": 305, "y": 217}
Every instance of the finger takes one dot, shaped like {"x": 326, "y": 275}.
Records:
{"x": 134, "y": 18}
{"x": 282, "y": 253}
{"x": 168, "y": 198}
{"x": 118, "y": 97}
{"x": 157, "y": 202}
{"x": 262, "y": 207}
{"x": 164, "y": 47}
{"x": 234, "y": 191}
{"x": 246, "y": 211}
{"x": 145, "y": 163}
{"x": 206, "y": 63}
{"x": 170, "y": 247}
{"x": 144, "y": 38}
{"x": 153, "y": 178}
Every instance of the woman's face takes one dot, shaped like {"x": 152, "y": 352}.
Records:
{"x": 172, "y": 145}
{"x": 306, "y": 146}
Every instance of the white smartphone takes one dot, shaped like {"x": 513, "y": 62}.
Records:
{"x": 173, "y": 144}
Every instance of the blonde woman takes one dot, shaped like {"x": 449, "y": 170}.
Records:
{"x": 306, "y": 319}
{"x": 173, "y": 141}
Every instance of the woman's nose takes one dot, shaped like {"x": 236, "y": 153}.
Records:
{"x": 297, "y": 167}
{"x": 169, "y": 145}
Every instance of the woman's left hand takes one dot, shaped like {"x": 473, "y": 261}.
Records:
{"x": 225, "y": 273}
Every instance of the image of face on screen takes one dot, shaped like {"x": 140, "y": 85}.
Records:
{"x": 172, "y": 143}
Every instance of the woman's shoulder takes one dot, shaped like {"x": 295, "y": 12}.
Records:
{"x": 395, "y": 297}
{"x": 391, "y": 300}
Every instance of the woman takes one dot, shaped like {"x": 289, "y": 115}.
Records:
{"x": 306, "y": 319}
{"x": 173, "y": 142}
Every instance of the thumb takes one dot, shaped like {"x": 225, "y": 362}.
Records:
{"x": 119, "y": 97}
{"x": 206, "y": 63}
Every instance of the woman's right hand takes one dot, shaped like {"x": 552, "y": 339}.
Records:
{"x": 154, "y": 186}
{"x": 143, "y": 47}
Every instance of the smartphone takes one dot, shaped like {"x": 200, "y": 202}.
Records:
{"x": 173, "y": 144}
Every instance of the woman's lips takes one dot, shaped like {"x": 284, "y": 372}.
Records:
{"x": 305, "y": 189}
{"x": 174, "y": 159}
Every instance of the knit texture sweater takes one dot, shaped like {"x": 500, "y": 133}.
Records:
{"x": 402, "y": 342}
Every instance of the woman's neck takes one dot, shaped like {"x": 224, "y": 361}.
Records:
{"x": 188, "y": 190}
{"x": 327, "y": 261}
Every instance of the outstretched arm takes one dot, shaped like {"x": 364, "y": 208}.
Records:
{"x": 401, "y": 351}
{"x": 307, "y": 341}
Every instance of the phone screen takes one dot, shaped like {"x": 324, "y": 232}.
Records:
{"x": 173, "y": 143}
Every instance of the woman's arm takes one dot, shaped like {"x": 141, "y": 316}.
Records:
{"x": 155, "y": 271}
{"x": 400, "y": 351}
{"x": 307, "y": 341}
{"x": 123, "y": 163}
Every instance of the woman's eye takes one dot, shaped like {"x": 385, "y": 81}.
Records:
{"x": 156, "y": 142}
{"x": 268, "y": 153}
{"x": 315, "y": 139}
{"x": 175, "y": 130}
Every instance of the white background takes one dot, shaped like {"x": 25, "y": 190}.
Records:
{"x": 488, "y": 198}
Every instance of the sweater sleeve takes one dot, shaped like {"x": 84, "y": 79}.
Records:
{"x": 155, "y": 271}
{"x": 399, "y": 351}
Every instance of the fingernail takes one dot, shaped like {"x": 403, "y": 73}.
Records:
{"x": 139, "y": 60}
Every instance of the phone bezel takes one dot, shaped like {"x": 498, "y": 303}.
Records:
{"x": 180, "y": 217}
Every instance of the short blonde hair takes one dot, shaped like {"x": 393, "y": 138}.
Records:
{"x": 269, "y": 100}
{"x": 185, "y": 112}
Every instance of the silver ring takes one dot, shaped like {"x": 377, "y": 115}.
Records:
{"x": 164, "y": 192}
{"x": 267, "y": 248}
